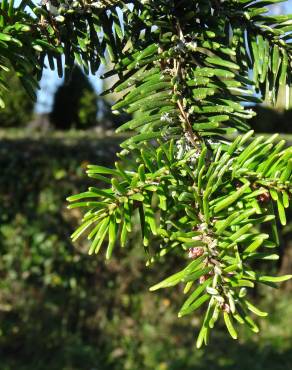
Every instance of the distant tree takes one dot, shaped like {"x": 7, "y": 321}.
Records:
{"x": 75, "y": 103}
{"x": 18, "y": 105}
{"x": 271, "y": 120}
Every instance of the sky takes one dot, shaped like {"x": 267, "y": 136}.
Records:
{"x": 50, "y": 81}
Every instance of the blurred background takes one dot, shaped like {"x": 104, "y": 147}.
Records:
{"x": 63, "y": 310}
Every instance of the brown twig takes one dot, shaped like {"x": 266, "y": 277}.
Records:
{"x": 194, "y": 138}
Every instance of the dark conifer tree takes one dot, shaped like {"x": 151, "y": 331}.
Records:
{"x": 68, "y": 108}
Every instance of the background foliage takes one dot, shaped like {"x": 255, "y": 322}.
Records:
{"x": 18, "y": 109}
{"x": 270, "y": 120}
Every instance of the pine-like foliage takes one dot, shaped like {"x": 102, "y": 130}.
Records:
{"x": 202, "y": 185}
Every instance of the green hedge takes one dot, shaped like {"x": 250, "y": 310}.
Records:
{"x": 60, "y": 309}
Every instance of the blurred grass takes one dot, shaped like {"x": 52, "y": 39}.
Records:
{"x": 55, "y": 135}
{"x": 60, "y": 309}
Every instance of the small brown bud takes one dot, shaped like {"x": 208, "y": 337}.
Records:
{"x": 202, "y": 279}
{"x": 264, "y": 198}
{"x": 195, "y": 252}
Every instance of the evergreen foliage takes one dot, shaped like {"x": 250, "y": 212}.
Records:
{"x": 202, "y": 184}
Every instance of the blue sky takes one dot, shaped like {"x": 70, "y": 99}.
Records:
{"x": 50, "y": 80}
